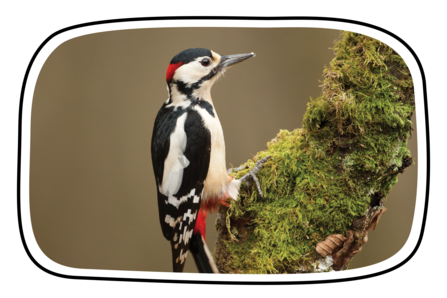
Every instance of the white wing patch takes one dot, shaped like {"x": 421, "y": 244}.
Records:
{"x": 175, "y": 161}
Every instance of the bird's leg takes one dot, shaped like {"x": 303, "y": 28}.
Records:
{"x": 231, "y": 170}
{"x": 252, "y": 174}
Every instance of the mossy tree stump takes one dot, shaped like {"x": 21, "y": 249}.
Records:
{"x": 330, "y": 177}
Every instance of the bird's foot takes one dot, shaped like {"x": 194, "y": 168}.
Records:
{"x": 251, "y": 175}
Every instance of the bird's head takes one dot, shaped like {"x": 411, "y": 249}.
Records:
{"x": 192, "y": 72}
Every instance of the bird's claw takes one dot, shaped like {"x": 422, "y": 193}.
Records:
{"x": 231, "y": 170}
{"x": 252, "y": 174}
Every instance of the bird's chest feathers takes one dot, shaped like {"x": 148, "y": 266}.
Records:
{"x": 217, "y": 180}
{"x": 212, "y": 124}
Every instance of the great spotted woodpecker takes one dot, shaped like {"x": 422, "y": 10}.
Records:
{"x": 188, "y": 154}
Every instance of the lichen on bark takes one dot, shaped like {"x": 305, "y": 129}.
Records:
{"x": 324, "y": 176}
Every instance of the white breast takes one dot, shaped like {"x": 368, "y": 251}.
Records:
{"x": 217, "y": 180}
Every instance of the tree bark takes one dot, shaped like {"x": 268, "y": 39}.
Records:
{"x": 326, "y": 183}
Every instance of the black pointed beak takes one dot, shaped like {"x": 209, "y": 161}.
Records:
{"x": 228, "y": 60}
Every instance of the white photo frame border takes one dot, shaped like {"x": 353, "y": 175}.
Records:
{"x": 59, "y": 37}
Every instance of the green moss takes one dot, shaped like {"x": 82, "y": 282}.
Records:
{"x": 322, "y": 177}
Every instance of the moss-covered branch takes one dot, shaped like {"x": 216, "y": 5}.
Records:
{"x": 337, "y": 169}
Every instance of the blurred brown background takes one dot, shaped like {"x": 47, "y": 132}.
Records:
{"x": 92, "y": 190}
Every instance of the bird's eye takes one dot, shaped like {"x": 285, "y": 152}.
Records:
{"x": 206, "y": 62}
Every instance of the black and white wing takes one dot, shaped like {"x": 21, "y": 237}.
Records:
{"x": 181, "y": 148}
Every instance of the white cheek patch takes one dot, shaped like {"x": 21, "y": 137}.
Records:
{"x": 191, "y": 72}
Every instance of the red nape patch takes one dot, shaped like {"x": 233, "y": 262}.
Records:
{"x": 171, "y": 70}
{"x": 201, "y": 224}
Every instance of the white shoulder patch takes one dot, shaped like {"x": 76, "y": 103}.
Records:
{"x": 175, "y": 161}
